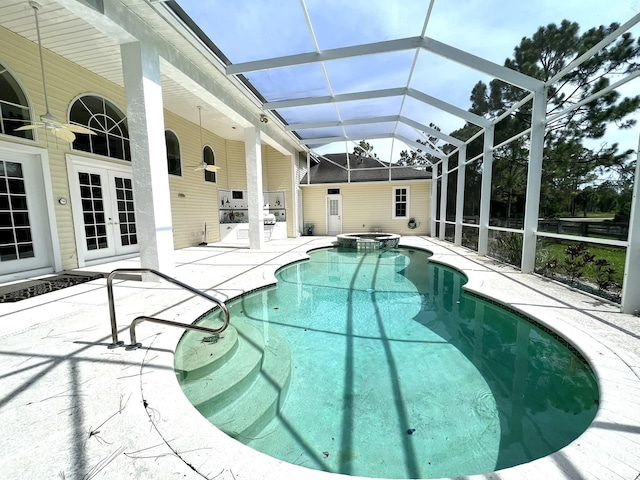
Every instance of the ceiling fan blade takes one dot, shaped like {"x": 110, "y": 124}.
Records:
{"x": 212, "y": 168}
{"x": 33, "y": 126}
{"x": 77, "y": 128}
{"x": 63, "y": 134}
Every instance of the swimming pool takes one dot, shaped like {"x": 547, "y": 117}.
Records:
{"x": 396, "y": 372}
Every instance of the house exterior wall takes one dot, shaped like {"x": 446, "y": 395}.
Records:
{"x": 193, "y": 201}
{"x": 277, "y": 175}
{"x": 199, "y": 205}
{"x": 65, "y": 81}
{"x": 368, "y": 206}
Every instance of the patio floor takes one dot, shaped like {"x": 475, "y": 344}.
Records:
{"x": 71, "y": 408}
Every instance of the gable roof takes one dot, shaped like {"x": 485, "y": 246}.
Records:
{"x": 333, "y": 168}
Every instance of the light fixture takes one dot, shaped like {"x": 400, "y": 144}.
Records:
{"x": 264, "y": 119}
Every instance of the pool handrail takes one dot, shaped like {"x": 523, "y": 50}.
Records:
{"x": 112, "y": 310}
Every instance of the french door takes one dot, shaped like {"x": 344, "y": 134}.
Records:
{"x": 104, "y": 212}
{"x": 25, "y": 240}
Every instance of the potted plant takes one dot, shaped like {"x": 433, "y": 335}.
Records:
{"x": 308, "y": 227}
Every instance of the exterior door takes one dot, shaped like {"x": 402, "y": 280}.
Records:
{"x": 25, "y": 240}
{"x": 104, "y": 213}
{"x": 334, "y": 215}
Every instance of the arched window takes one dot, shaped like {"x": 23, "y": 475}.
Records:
{"x": 209, "y": 158}
{"x": 174, "y": 163}
{"x": 107, "y": 121}
{"x": 14, "y": 108}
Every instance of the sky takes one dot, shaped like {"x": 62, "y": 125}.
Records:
{"x": 252, "y": 30}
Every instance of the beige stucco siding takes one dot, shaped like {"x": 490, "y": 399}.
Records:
{"x": 369, "y": 206}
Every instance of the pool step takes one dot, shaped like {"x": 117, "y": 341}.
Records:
{"x": 229, "y": 378}
{"x": 204, "y": 355}
{"x": 247, "y": 381}
{"x": 249, "y": 413}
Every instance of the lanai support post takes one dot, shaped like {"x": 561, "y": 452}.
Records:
{"x": 255, "y": 194}
{"x": 434, "y": 200}
{"x": 145, "y": 117}
{"x": 534, "y": 179}
{"x": 462, "y": 157}
{"x": 443, "y": 197}
{"x": 485, "y": 190}
{"x": 631, "y": 280}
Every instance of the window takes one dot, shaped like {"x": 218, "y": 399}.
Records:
{"x": 174, "y": 164}
{"x": 209, "y": 158}
{"x": 14, "y": 108}
{"x": 400, "y": 202}
{"x": 333, "y": 191}
{"x": 16, "y": 241}
{"x": 107, "y": 121}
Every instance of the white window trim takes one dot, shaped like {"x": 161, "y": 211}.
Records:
{"x": 124, "y": 120}
{"x": 204, "y": 176}
{"x": 393, "y": 202}
{"x": 179, "y": 153}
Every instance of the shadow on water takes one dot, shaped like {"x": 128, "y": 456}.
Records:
{"x": 546, "y": 394}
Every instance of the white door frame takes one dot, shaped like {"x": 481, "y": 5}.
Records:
{"x": 337, "y": 197}
{"x": 74, "y": 164}
{"x": 51, "y": 229}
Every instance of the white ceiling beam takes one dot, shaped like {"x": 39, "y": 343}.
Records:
{"x": 447, "y": 107}
{"x": 326, "y": 55}
{"x": 344, "y": 97}
{"x": 343, "y": 123}
{"x": 431, "y": 131}
{"x": 480, "y": 64}
{"x": 365, "y": 121}
{"x": 429, "y": 44}
{"x": 354, "y": 138}
{"x": 327, "y": 140}
{"x": 423, "y": 97}
{"x": 418, "y": 146}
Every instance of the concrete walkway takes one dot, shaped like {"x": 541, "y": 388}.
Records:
{"x": 72, "y": 408}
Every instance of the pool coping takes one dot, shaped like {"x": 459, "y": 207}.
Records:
{"x": 583, "y": 458}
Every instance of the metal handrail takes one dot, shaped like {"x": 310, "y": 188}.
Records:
{"x": 112, "y": 310}
{"x": 144, "y": 318}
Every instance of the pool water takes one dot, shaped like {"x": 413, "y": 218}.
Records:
{"x": 397, "y": 373}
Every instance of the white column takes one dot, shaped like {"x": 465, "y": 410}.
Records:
{"x": 462, "y": 157}
{"x": 145, "y": 117}
{"x": 631, "y": 279}
{"x": 534, "y": 179}
{"x": 485, "y": 192}
{"x": 253, "y": 159}
{"x": 434, "y": 201}
{"x": 444, "y": 183}
{"x": 293, "y": 215}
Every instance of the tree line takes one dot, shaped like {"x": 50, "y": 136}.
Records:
{"x": 577, "y": 179}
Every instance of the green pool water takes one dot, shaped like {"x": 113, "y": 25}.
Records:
{"x": 397, "y": 373}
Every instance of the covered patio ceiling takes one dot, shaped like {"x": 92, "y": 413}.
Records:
{"x": 334, "y": 73}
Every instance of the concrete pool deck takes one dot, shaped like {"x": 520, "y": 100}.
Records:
{"x": 71, "y": 408}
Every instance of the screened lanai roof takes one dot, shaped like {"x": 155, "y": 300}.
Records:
{"x": 337, "y": 72}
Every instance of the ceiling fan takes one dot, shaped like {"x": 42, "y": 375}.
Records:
{"x": 64, "y": 131}
{"x": 204, "y": 165}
